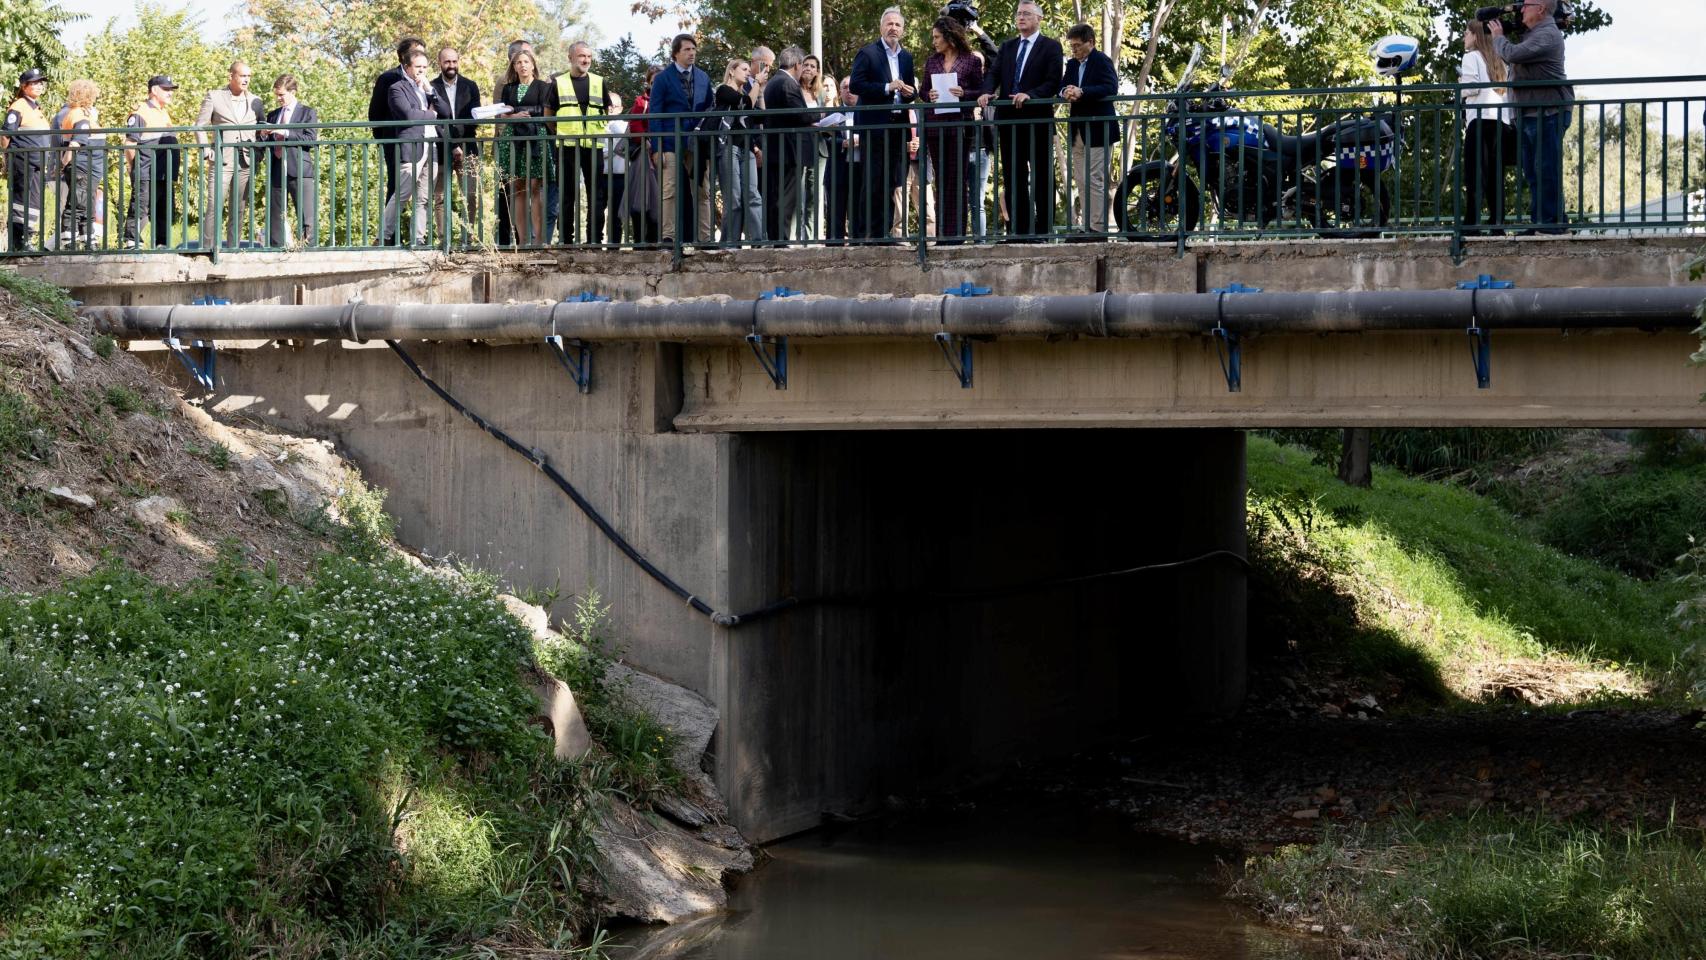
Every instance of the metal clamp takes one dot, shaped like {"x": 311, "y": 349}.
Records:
{"x": 774, "y": 360}
{"x": 1480, "y": 338}
{"x": 967, "y": 289}
{"x": 780, "y": 292}
{"x": 586, "y": 296}
{"x": 203, "y": 369}
{"x": 962, "y": 366}
{"x": 1226, "y": 342}
{"x": 580, "y": 367}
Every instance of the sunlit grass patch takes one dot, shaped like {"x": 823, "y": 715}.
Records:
{"x": 1491, "y": 887}
{"x": 1455, "y": 578}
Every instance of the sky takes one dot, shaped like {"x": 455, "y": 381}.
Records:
{"x": 1649, "y": 37}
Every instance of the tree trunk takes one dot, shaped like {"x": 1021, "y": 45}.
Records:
{"x": 1354, "y": 466}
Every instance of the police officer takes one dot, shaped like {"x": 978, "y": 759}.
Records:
{"x": 152, "y": 153}
{"x": 26, "y": 138}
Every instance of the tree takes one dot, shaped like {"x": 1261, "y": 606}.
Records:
{"x": 623, "y": 67}
{"x": 29, "y": 37}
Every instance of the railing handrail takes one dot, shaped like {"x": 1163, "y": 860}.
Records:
{"x": 1409, "y": 90}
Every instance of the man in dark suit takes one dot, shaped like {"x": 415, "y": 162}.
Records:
{"x": 784, "y": 121}
{"x": 458, "y": 96}
{"x": 379, "y": 107}
{"x": 845, "y": 217}
{"x": 1090, "y": 83}
{"x": 290, "y": 169}
{"x": 882, "y": 73}
{"x": 418, "y": 150}
{"x": 1027, "y": 68}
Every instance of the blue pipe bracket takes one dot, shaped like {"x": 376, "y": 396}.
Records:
{"x": 1227, "y": 345}
{"x": 1480, "y": 338}
{"x": 772, "y": 354}
{"x": 580, "y": 365}
{"x": 204, "y": 368}
{"x": 586, "y": 296}
{"x": 962, "y": 365}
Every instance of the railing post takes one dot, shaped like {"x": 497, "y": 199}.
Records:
{"x": 218, "y": 196}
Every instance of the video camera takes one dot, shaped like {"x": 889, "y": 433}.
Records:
{"x": 962, "y": 11}
{"x": 1561, "y": 15}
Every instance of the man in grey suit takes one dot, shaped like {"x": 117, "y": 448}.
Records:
{"x": 230, "y": 105}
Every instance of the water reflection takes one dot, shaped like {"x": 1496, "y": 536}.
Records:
{"x": 982, "y": 886}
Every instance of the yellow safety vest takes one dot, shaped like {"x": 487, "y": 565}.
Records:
{"x": 580, "y": 132}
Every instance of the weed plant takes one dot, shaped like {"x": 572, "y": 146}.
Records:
{"x": 46, "y": 297}
{"x": 246, "y": 767}
{"x": 1491, "y": 887}
{"x": 23, "y": 431}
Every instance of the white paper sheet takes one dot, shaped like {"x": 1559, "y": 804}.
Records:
{"x": 942, "y": 83}
{"x": 833, "y": 120}
{"x": 490, "y": 110}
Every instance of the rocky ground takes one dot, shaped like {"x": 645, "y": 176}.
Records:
{"x": 103, "y": 460}
{"x": 1307, "y": 753}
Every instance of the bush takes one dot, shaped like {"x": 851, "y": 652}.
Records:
{"x": 242, "y": 767}
{"x": 1639, "y": 522}
{"x": 581, "y": 657}
{"x": 122, "y": 399}
{"x": 1427, "y": 452}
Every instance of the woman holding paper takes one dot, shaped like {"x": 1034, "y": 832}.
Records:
{"x": 524, "y": 148}
{"x": 949, "y": 135}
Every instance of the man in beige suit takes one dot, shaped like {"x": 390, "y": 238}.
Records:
{"x": 230, "y": 105}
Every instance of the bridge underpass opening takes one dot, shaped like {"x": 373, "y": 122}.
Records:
{"x": 954, "y": 659}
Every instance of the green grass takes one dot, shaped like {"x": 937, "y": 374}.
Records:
{"x": 44, "y": 296}
{"x": 242, "y": 766}
{"x": 23, "y": 430}
{"x": 1451, "y": 576}
{"x": 1491, "y": 887}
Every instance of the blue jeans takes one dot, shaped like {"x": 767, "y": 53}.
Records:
{"x": 1542, "y": 153}
{"x": 743, "y": 207}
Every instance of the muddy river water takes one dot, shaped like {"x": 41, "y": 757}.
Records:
{"x": 980, "y": 885}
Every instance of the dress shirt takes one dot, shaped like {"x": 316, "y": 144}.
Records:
{"x": 894, "y": 65}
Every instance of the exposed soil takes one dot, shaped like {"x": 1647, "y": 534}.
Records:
{"x": 107, "y": 461}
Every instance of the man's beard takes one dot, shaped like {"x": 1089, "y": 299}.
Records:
{"x": 450, "y": 74}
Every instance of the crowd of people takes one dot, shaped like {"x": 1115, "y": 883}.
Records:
{"x": 786, "y": 151}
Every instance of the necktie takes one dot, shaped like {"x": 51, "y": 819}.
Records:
{"x": 1024, "y": 50}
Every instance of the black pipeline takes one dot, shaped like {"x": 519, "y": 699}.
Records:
{"x": 1092, "y": 315}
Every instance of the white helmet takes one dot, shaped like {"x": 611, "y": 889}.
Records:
{"x": 1394, "y": 54}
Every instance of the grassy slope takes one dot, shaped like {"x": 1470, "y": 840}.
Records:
{"x": 1457, "y": 578}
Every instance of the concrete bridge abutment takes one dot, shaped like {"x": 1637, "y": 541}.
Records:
{"x": 946, "y": 646}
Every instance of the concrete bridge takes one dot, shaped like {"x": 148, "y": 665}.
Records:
{"x": 965, "y": 601}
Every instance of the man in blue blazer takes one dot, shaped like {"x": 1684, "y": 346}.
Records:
{"x": 682, "y": 87}
{"x": 1090, "y": 85}
{"x": 882, "y": 73}
{"x": 1027, "y": 68}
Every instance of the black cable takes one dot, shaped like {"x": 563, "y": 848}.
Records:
{"x": 869, "y": 598}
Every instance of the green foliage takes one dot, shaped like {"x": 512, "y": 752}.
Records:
{"x": 216, "y": 453}
{"x": 122, "y": 399}
{"x": 1491, "y": 887}
{"x": 105, "y": 345}
{"x": 623, "y": 66}
{"x": 1302, "y": 599}
{"x": 1455, "y": 576}
{"x": 1668, "y": 448}
{"x": 1638, "y": 521}
{"x": 40, "y": 294}
{"x": 1427, "y": 452}
{"x": 30, "y": 32}
{"x": 243, "y": 767}
{"x": 366, "y": 528}
{"x": 23, "y": 430}
{"x": 639, "y": 746}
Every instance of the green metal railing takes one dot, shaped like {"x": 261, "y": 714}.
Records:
{"x": 1174, "y": 168}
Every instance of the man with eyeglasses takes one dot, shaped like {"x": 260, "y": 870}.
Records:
{"x": 230, "y": 105}
{"x": 1029, "y": 67}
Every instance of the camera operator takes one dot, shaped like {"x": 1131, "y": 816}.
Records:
{"x": 1544, "y": 110}
{"x": 966, "y": 14}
